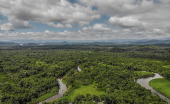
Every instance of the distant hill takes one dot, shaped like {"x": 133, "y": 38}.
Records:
{"x": 107, "y": 43}
{"x": 144, "y": 42}
{"x": 8, "y": 44}
{"x": 31, "y": 44}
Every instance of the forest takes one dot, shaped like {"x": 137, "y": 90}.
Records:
{"x": 107, "y": 73}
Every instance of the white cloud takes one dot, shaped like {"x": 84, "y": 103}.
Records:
{"x": 68, "y": 26}
{"x": 58, "y": 25}
{"x": 89, "y": 33}
{"x": 158, "y": 31}
{"x": 114, "y": 31}
{"x": 48, "y": 32}
{"x": 120, "y": 7}
{"x": 125, "y": 22}
{"x": 84, "y": 28}
{"x": 129, "y": 18}
{"x": 14, "y": 24}
{"x": 100, "y": 27}
{"x": 6, "y": 27}
{"x": 60, "y": 11}
{"x": 97, "y": 27}
{"x": 1, "y": 34}
{"x": 126, "y": 30}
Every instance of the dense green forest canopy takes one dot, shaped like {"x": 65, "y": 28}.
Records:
{"x": 27, "y": 73}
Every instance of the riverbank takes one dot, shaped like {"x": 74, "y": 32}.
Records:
{"x": 161, "y": 85}
{"x": 62, "y": 90}
{"x": 143, "y": 74}
{"x": 50, "y": 97}
{"x": 42, "y": 98}
{"x": 145, "y": 83}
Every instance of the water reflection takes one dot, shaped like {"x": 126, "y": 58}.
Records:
{"x": 145, "y": 83}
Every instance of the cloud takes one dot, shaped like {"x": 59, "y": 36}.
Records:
{"x": 60, "y": 11}
{"x": 141, "y": 14}
{"x": 68, "y": 26}
{"x": 7, "y": 27}
{"x": 165, "y": 1}
{"x": 101, "y": 27}
{"x": 14, "y": 24}
{"x": 97, "y": 27}
{"x": 120, "y": 7}
{"x": 1, "y": 34}
{"x": 158, "y": 31}
{"x": 128, "y": 18}
{"x": 102, "y": 32}
{"x": 58, "y": 25}
{"x": 127, "y": 22}
{"x": 126, "y": 30}
{"x": 48, "y": 32}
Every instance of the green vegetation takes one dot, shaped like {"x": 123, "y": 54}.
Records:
{"x": 24, "y": 79}
{"x": 29, "y": 74}
{"x": 83, "y": 90}
{"x": 42, "y": 98}
{"x": 143, "y": 74}
{"x": 161, "y": 85}
{"x": 40, "y": 63}
{"x": 2, "y": 77}
{"x": 166, "y": 66}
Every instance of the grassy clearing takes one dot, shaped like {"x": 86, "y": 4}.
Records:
{"x": 161, "y": 85}
{"x": 160, "y": 62}
{"x": 143, "y": 74}
{"x": 45, "y": 64}
{"x": 107, "y": 65}
{"x": 40, "y": 63}
{"x": 166, "y": 66}
{"x": 83, "y": 90}
{"x": 64, "y": 81}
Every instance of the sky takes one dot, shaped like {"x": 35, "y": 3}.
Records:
{"x": 84, "y": 19}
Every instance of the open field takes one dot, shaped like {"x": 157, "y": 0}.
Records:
{"x": 83, "y": 90}
{"x": 166, "y": 66}
{"x": 161, "y": 85}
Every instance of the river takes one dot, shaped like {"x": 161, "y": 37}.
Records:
{"x": 145, "y": 83}
{"x": 142, "y": 81}
{"x": 62, "y": 90}
{"x": 78, "y": 68}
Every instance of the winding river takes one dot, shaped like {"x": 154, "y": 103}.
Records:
{"x": 145, "y": 83}
{"x": 62, "y": 90}
{"x": 142, "y": 81}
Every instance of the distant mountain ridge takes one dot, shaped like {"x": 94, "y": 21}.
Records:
{"x": 144, "y": 42}
{"x": 8, "y": 43}
{"x": 85, "y": 42}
